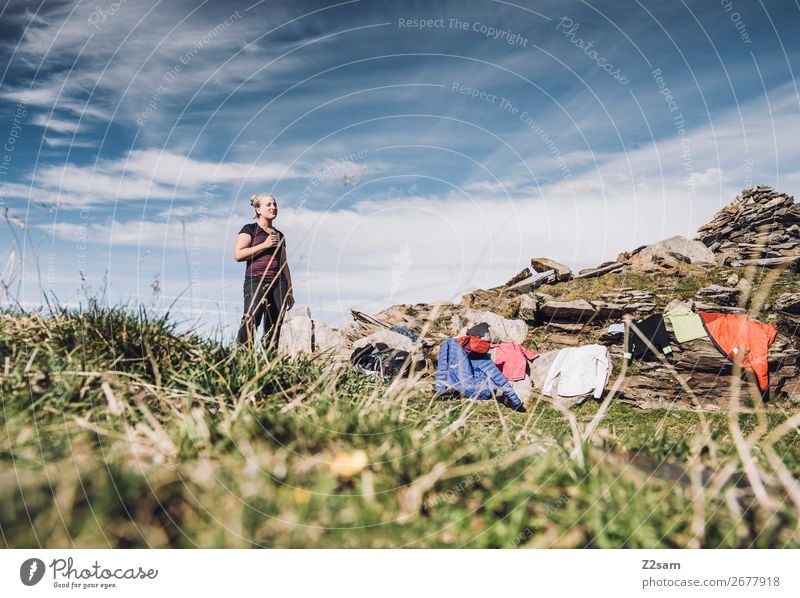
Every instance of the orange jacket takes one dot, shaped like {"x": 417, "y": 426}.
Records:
{"x": 742, "y": 340}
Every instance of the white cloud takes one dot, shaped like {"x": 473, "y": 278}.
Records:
{"x": 146, "y": 175}
{"x": 129, "y": 53}
{"x": 55, "y": 125}
{"x": 424, "y": 248}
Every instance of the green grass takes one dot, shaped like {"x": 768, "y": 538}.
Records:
{"x": 118, "y": 431}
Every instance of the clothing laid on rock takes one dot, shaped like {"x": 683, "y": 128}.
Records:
{"x": 616, "y": 328}
{"x": 474, "y": 345}
{"x": 474, "y": 377}
{"x": 686, "y": 324}
{"x": 615, "y": 333}
{"x": 654, "y": 330}
{"x": 512, "y": 359}
{"x": 742, "y": 340}
{"x": 578, "y": 371}
{"x": 267, "y": 263}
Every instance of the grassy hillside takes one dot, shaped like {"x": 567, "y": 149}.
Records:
{"x": 116, "y": 431}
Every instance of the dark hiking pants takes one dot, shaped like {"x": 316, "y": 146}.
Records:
{"x": 263, "y": 299}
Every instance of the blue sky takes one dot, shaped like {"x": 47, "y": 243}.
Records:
{"x": 471, "y": 137}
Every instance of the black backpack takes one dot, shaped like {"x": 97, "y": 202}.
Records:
{"x": 381, "y": 361}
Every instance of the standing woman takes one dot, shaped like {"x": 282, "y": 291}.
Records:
{"x": 267, "y": 281}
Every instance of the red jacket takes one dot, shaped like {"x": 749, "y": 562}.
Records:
{"x": 742, "y": 340}
{"x": 473, "y": 344}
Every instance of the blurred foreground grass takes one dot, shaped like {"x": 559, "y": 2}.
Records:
{"x": 117, "y": 432}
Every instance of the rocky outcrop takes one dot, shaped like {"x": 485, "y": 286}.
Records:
{"x": 761, "y": 227}
{"x": 297, "y": 332}
{"x": 603, "y": 268}
{"x": 576, "y": 311}
{"x": 302, "y": 335}
{"x": 546, "y": 307}
{"x": 625, "y": 300}
{"x": 697, "y": 375}
{"x": 532, "y": 281}
{"x": 543, "y": 264}
{"x": 669, "y": 253}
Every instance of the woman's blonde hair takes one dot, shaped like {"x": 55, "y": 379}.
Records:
{"x": 256, "y": 200}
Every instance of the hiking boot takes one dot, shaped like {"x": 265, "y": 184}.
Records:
{"x": 507, "y": 403}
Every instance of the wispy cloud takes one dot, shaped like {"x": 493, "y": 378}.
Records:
{"x": 55, "y": 125}
{"x": 455, "y": 190}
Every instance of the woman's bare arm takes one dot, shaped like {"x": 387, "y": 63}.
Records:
{"x": 243, "y": 251}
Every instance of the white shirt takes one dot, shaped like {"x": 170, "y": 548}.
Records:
{"x": 578, "y": 371}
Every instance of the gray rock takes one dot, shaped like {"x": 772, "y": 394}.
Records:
{"x": 543, "y": 264}
{"x": 501, "y": 329}
{"x": 326, "y": 338}
{"x": 539, "y": 368}
{"x": 745, "y": 288}
{"x": 788, "y": 303}
{"x": 720, "y": 308}
{"x": 527, "y": 308}
{"x": 519, "y": 276}
{"x": 296, "y": 333}
{"x": 693, "y": 252}
{"x": 791, "y": 261}
{"x": 393, "y": 339}
{"x": 567, "y": 311}
{"x": 718, "y": 295}
{"x": 533, "y": 281}
{"x": 564, "y": 327}
{"x": 600, "y": 270}
{"x": 756, "y": 229}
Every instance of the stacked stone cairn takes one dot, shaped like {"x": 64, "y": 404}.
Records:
{"x": 761, "y": 227}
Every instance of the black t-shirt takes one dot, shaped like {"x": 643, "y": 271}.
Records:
{"x": 269, "y": 260}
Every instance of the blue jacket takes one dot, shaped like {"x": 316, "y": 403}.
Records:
{"x": 472, "y": 378}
